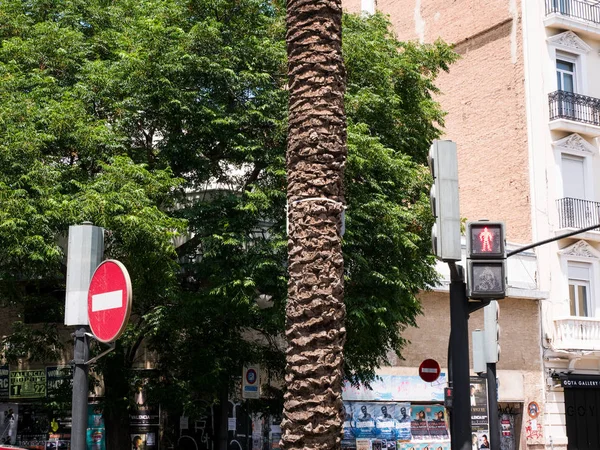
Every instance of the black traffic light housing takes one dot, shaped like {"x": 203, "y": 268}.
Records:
{"x": 486, "y": 260}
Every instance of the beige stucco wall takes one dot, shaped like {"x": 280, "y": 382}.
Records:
{"x": 520, "y": 333}
{"x": 485, "y": 100}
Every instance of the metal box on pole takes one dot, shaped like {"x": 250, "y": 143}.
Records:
{"x": 84, "y": 254}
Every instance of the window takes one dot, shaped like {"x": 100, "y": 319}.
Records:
{"x": 579, "y": 288}
{"x": 565, "y": 75}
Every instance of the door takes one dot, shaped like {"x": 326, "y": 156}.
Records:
{"x": 565, "y": 81}
{"x": 583, "y": 419}
{"x": 577, "y": 211}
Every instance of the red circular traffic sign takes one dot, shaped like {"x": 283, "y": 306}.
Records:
{"x": 109, "y": 300}
{"x": 429, "y": 370}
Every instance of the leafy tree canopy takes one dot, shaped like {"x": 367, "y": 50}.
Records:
{"x": 151, "y": 118}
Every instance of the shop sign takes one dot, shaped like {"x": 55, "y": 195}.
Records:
{"x": 580, "y": 381}
{"x": 4, "y": 382}
{"x": 57, "y": 377}
{"x": 397, "y": 388}
{"x": 144, "y": 415}
{"x": 27, "y": 384}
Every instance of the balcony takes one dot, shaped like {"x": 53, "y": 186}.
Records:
{"x": 574, "y": 213}
{"x": 574, "y": 113}
{"x": 577, "y": 333}
{"x": 575, "y": 15}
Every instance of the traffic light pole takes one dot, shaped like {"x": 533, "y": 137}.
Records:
{"x": 493, "y": 407}
{"x": 459, "y": 344}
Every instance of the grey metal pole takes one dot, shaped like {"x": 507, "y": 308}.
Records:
{"x": 459, "y": 344}
{"x": 493, "y": 407}
{"x": 79, "y": 408}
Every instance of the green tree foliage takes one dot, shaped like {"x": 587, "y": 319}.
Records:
{"x": 148, "y": 118}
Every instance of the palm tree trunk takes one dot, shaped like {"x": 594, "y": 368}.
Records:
{"x": 316, "y": 156}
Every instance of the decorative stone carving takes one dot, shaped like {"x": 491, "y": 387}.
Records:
{"x": 582, "y": 249}
{"x": 575, "y": 142}
{"x": 570, "y": 40}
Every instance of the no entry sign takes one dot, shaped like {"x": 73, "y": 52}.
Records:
{"x": 429, "y": 370}
{"x": 109, "y": 300}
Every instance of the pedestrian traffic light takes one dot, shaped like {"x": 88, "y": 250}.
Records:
{"x": 445, "y": 234}
{"x": 486, "y": 260}
{"x": 491, "y": 316}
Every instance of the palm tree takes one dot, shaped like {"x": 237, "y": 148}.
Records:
{"x": 316, "y": 156}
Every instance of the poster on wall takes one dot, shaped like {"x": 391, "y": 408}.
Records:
{"x": 144, "y": 424}
{"x": 385, "y": 424}
{"x": 59, "y": 379}
{"x": 436, "y": 418}
{"x": 418, "y": 423}
{"x": 9, "y": 417}
{"x": 364, "y": 421}
{"x": 96, "y": 434}
{"x": 27, "y": 384}
{"x": 403, "y": 419}
{"x": 424, "y": 446}
{"x": 479, "y": 414}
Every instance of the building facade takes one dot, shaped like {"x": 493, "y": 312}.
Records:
{"x": 523, "y": 106}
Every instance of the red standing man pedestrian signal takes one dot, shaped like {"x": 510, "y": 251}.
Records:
{"x": 486, "y": 238}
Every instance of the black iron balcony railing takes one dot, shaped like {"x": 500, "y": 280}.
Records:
{"x": 577, "y": 107}
{"x": 578, "y": 9}
{"x": 577, "y": 213}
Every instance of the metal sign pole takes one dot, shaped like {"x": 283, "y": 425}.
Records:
{"x": 459, "y": 343}
{"x": 80, "y": 390}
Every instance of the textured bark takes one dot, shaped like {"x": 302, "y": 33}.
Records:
{"x": 316, "y": 157}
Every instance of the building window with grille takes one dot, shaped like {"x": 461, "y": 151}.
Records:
{"x": 579, "y": 289}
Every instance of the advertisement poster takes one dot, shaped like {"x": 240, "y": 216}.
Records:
{"x": 4, "y": 382}
{"x": 96, "y": 434}
{"x": 418, "y": 424}
{"x": 425, "y": 446}
{"x": 144, "y": 427}
{"x": 143, "y": 441}
{"x": 364, "y": 420}
{"x": 9, "y": 417}
{"x": 438, "y": 427}
{"x": 479, "y": 414}
{"x": 363, "y": 444}
{"x": 348, "y": 440}
{"x": 58, "y": 379}
{"x": 403, "y": 420}
{"x": 385, "y": 423}
{"x": 27, "y": 384}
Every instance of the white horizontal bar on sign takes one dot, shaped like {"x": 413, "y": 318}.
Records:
{"x": 426, "y": 370}
{"x": 107, "y": 300}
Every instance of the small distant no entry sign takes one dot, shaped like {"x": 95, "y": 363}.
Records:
{"x": 429, "y": 370}
{"x": 109, "y": 300}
